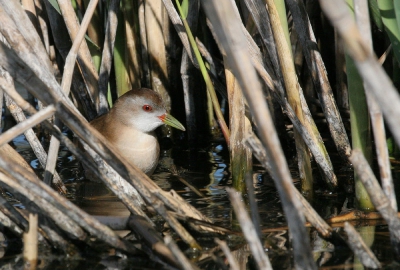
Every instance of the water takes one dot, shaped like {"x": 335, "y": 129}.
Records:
{"x": 208, "y": 170}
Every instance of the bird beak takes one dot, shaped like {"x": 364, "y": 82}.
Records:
{"x": 171, "y": 121}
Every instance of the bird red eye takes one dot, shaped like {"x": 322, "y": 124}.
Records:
{"x": 147, "y": 108}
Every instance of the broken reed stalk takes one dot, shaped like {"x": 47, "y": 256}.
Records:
{"x": 320, "y": 77}
{"x": 360, "y": 249}
{"x": 66, "y": 85}
{"x": 378, "y": 127}
{"x": 367, "y": 64}
{"x": 249, "y": 231}
{"x": 107, "y": 56}
{"x": 44, "y": 31}
{"x": 31, "y": 242}
{"x": 232, "y": 41}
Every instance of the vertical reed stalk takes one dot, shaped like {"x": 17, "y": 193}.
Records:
{"x": 360, "y": 124}
{"x": 291, "y": 85}
{"x": 240, "y": 154}
{"x": 387, "y": 8}
{"x": 108, "y": 48}
{"x": 130, "y": 10}
{"x": 210, "y": 87}
{"x": 96, "y": 34}
{"x": 121, "y": 73}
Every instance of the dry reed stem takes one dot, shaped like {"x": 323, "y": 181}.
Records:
{"x": 130, "y": 9}
{"x": 320, "y": 77}
{"x": 367, "y": 63}
{"x": 63, "y": 212}
{"x": 9, "y": 224}
{"x": 176, "y": 226}
{"x": 78, "y": 41}
{"x": 359, "y": 248}
{"x": 261, "y": 19}
{"x": 233, "y": 42}
{"x": 44, "y": 29}
{"x": 143, "y": 43}
{"x": 322, "y": 160}
{"x": 107, "y": 55}
{"x": 249, "y": 231}
{"x": 7, "y": 84}
{"x": 179, "y": 256}
{"x": 293, "y": 94}
{"x": 46, "y": 90}
{"x": 311, "y": 215}
{"x": 23, "y": 126}
{"x": 378, "y": 198}
{"x": 9, "y": 211}
{"x": 62, "y": 221}
{"x": 33, "y": 140}
{"x": 180, "y": 30}
{"x": 25, "y": 28}
{"x": 30, "y": 239}
{"x": 240, "y": 154}
{"x": 157, "y": 31}
{"x": 233, "y": 265}
{"x": 84, "y": 58}
{"x": 277, "y": 90}
{"x": 378, "y": 126}
{"x": 66, "y": 84}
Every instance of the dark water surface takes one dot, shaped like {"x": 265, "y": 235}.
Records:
{"x": 208, "y": 170}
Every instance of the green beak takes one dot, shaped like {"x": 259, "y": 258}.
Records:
{"x": 171, "y": 121}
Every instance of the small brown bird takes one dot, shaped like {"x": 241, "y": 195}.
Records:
{"x": 130, "y": 125}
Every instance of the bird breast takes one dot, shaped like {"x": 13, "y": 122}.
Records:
{"x": 139, "y": 148}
